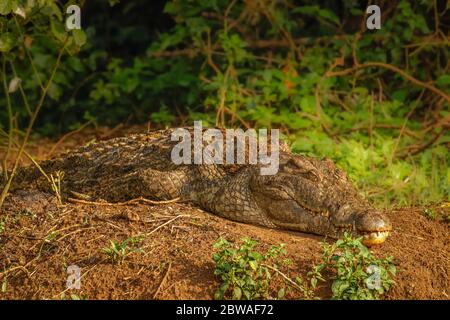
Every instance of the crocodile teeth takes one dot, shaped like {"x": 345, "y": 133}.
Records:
{"x": 376, "y": 237}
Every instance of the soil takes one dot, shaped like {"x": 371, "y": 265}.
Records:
{"x": 40, "y": 238}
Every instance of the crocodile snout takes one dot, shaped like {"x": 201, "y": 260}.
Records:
{"x": 373, "y": 226}
{"x": 373, "y": 221}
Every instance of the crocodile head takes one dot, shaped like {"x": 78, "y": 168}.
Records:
{"x": 314, "y": 196}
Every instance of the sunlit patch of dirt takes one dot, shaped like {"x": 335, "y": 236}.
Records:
{"x": 40, "y": 240}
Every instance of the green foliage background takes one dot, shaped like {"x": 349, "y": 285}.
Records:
{"x": 306, "y": 67}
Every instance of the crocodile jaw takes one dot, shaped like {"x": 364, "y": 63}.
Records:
{"x": 373, "y": 226}
{"x": 374, "y": 238}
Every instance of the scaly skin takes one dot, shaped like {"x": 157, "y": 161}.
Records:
{"x": 307, "y": 194}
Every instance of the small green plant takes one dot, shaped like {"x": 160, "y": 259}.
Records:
{"x": 439, "y": 213}
{"x": 5, "y": 284}
{"x": 117, "y": 251}
{"x": 245, "y": 273}
{"x": 49, "y": 242}
{"x": 430, "y": 213}
{"x": 358, "y": 274}
{"x": 163, "y": 116}
{"x": 56, "y": 184}
{"x": 2, "y": 225}
{"x": 72, "y": 296}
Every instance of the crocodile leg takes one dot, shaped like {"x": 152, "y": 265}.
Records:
{"x": 230, "y": 198}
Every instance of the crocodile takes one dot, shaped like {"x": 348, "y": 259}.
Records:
{"x": 307, "y": 194}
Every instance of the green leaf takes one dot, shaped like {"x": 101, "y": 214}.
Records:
{"x": 281, "y": 293}
{"x": 339, "y": 287}
{"x": 328, "y": 15}
{"x": 356, "y": 12}
{"x": 253, "y": 264}
{"x": 79, "y": 37}
{"x": 313, "y": 282}
{"x": 4, "y": 286}
{"x": 6, "y": 42}
{"x": 308, "y": 10}
{"x": 400, "y": 95}
{"x": 51, "y": 9}
{"x": 6, "y": 7}
{"x": 443, "y": 80}
{"x": 170, "y": 8}
{"x": 58, "y": 30}
{"x": 308, "y": 104}
{"x": 54, "y": 91}
{"x": 256, "y": 255}
{"x": 112, "y": 3}
{"x": 220, "y": 293}
{"x": 237, "y": 293}
{"x": 317, "y": 11}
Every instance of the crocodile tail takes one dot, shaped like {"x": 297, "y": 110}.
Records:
{"x": 27, "y": 176}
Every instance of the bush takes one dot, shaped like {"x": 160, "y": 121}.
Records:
{"x": 243, "y": 270}
{"x": 309, "y": 68}
{"x": 358, "y": 275}
{"x": 248, "y": 274}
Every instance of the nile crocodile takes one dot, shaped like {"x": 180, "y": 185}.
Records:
{"x": 307, "y": 194}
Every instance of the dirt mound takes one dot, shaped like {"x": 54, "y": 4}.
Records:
{"x": 39, "y": 240}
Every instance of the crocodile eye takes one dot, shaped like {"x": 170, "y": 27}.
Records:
{"x": 310, "y": 175}
{"x": 301, "y": 167}
{"x": 290, "y": 166}
{"x": 276, "y": 193}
